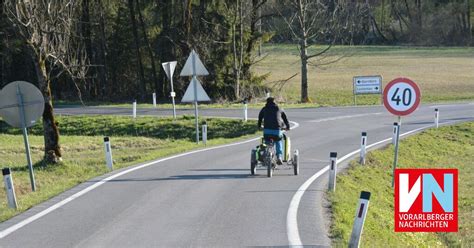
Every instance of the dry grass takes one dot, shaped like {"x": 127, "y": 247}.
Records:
{"x": 443, "y": 74}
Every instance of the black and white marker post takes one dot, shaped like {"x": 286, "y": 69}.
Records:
{"x": 363, "y": 145}
{"x": 332, "y": 171}
{"x": 394, "y": 133}
{"x": 108, "y": 153}
{"x": 204, "y": 133}
{"x": 361, "y": 213}
{"x": 245, "y": 110}
{"x": 437, "y": 117}
{"x": 25, "y": 137}
{"x": 11, "y": 197}
{"x": 154, "y": 100}
{"x": 134, "y": 111}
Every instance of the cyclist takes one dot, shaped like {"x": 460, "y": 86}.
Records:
{"x": 274, "y": 120}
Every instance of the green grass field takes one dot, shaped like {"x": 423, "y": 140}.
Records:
{"x": 444, "y": 74}
{"x": 145, "y": 139}
{"x": 446, "y": 147}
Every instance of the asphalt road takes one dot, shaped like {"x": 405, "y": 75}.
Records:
{"x": 208, "y": 198}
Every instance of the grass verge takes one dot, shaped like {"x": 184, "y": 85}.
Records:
{"x": 133, "y": 142}
{"x": 446, "y": 147}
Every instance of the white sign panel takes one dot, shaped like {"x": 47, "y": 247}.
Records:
{"x": 169, "y": 68}
{"x": 201, "y": 93}
{"x": 188, "y": 69}
{"x": 367, "y": 85}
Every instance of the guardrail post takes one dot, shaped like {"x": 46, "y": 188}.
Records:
{"x": 108, "y": 153}
{"x": 134, "y": 109}
{"x": 394, "y": 134}
{"x": 204, "y": 133}
{"x": 154, "y": 99}
{"x": 361, "y": 213}
{"x": 11, "y": 197}
{"x": 437, "y": 117}
{"x": 363, "y": 144}
{"x": 332, "y": 171}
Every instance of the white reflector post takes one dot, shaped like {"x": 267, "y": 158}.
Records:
{"x": 437, "y": 117}
{"x": 361, "y": 213}
{"x": 245, "y": 111}
{"x": 363, "y": 145}
{"x": 394, "y": 134}
{"x": 108, "y": 153}
{"x": 154, "y": 100}
{"x": 332, "y": 171}
{"x": 204, "y": 133}
{"x": 134, "y": 109}
{"x": 9, "y": 188}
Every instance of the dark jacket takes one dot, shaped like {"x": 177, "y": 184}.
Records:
{"x": 273, "y": 117}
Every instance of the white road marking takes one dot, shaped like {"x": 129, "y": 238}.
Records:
{"x": 450, "y": 105}
{"x": 292, "y": 230}
{"x": 342, "y": 117}
{"x": 28, "y": 220}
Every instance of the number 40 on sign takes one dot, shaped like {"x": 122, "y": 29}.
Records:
{"x": 401, "y": 96}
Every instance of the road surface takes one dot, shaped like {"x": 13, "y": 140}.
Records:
{"x": 208, "y": 198}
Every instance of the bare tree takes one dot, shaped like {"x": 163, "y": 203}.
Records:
{"x": 312, "y": 21}
{"x": 49, "y": 29}
{"x": 141, "y": 74}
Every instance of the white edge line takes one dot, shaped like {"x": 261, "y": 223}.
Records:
{"x": 294, "y": 239}
{"x": 28, "y": 220}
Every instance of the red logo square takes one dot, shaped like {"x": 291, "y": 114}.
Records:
{"x": 426, "y": 200}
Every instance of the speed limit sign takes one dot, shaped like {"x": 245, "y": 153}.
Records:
{"x": 401, "y": 96}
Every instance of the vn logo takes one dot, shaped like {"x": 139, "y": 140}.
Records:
{"x": 426, "y": 200}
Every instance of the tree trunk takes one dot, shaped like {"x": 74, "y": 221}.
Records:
{"x": 103, "y": 51}
{"x": 304, "y": 71}
{"x": 150, "y": 50}
{"x": 52, "y": 149}
{"x": 87, "y": 37}
{"x": 141, "y": 74}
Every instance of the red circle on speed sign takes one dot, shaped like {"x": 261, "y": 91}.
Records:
{"x": 401, "y": 96}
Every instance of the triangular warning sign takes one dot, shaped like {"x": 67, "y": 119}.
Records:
{"x": 198, "y": 66}
{"x": 201, "y": 93}
{"x": 169, "y": 68}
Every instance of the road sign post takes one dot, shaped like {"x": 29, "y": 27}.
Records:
{"x": 25, "y": 137}
{"x": 400, "y": 97}
{"x": 169, "y": 70}
{"x": 10, "y": 189}
{"x": 195, "y": 92}
{"x": 363, "y": 85}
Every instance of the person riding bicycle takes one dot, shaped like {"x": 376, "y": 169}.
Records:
{"x": 274, "y": 120}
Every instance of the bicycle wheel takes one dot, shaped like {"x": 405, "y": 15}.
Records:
{"x": 253, "y": 162}
{"x": 268, "y": 162}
